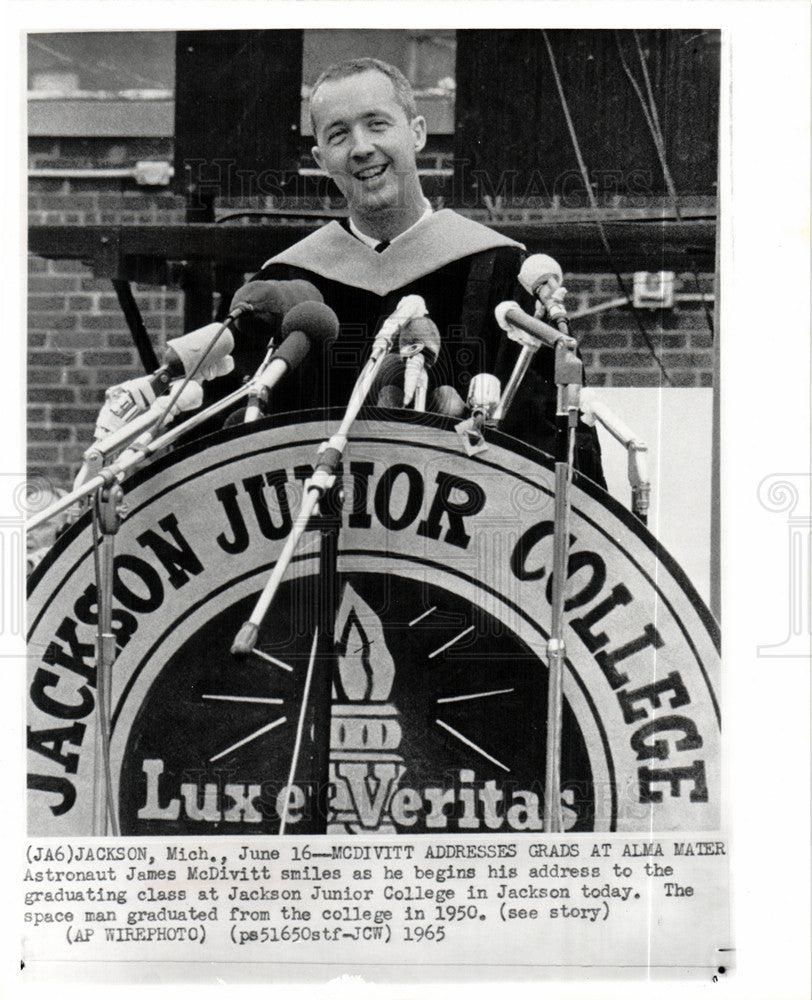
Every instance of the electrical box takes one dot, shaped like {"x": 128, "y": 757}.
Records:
{"x": 153, "y": 173}
{"x": 654, "y": 290}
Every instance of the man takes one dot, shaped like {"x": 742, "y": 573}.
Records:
{"x": 368, "y": 135}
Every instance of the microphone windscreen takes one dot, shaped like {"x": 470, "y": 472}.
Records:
{"x": 420, "y": 331}
{"x": 390, "y": 397}
{"x": 268, "y": 300}
{"x": 387, "y": 389}
{"x": 265, "y": 299}
{"x": 537, "y": 270}
{"x": 446, "y": 400}
{"x": 314, "y": 319}
{"x": 300, "y": 290}
{"x": 293, "y": 349}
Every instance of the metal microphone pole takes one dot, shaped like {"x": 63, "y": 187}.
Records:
{"x": 107, "y": 514}
{"x": 594, "y": 410}
{"x": 528, "y": 352}
{"x": 569, "y": 377}
{"x": 310, "y": 759}
{"x": 531, "y": 332}
{"x": 325, "y": 666}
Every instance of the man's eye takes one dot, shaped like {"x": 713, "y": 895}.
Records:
{"x": 336, "y": 136}
{"x": 378, "y": 124}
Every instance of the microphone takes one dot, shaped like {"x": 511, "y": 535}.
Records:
{"x": 269, "y": 299}
{"x": 484, "y": 394}
{"x": 419, "y": 343}
{"x": 387, "y": 389}
{"x": 527, "y": 330}
{"x": 447, "y": 401}
{"x": 304, "y": 325}
{"x": 531, "y": 333}
{"x": 189, "y": 398}
{"x": 542, "y": 277}
{"x": 410, "y": 307}
{"x": 124, "y": 402}
{"x": 483, "y": 397}
{"x": 184, "y": 353}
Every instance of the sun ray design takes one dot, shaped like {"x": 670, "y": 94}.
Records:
{"x": 470, "y": 697}
{"x": 248, "y": 739}
{"x": 273, "y": 660}
{"x": 451, "y": 642}
{"x": 420, "y": 618}
{"x": 471, "y": 744}
{"x": 248, "y": 699}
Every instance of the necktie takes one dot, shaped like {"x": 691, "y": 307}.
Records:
{"x": 380, "y": 247}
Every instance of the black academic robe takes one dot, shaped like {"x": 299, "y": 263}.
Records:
{"x": 462, "y": 270}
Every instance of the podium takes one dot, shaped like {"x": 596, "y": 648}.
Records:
{"x": 433, "y": 719}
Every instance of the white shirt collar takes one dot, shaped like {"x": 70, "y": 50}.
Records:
{"x": 372, "y": 242}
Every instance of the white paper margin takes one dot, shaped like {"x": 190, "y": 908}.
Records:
{"x": 765, "y": 426}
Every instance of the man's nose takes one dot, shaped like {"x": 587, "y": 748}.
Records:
{"x": 362, "y": 146}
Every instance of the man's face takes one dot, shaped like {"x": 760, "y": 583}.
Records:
{"x": 365, "y": 142}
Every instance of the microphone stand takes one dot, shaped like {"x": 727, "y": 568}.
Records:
{"x": 312, "y": 742}
{"x": 569, "y": 377}
{"x": 325, "y": 666}
{"x": 569, "y": 380}
{"x": 108, "y": 509}
{"x": 107, "y": 514}
{"x": 636, "y": 450}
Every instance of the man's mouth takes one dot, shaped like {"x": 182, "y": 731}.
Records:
{"x": 369, "y": 173}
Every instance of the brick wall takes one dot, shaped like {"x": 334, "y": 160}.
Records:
{"x": 617, "y": 353}
{"x": 79, "y": 343}
{"x": 78, "y": 340}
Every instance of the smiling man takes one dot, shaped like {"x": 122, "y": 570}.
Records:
{"x": 368, "y": 134}
{"x": 392, "y": 244}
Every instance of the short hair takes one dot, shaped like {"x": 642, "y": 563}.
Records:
{"x": 404, "y": 94}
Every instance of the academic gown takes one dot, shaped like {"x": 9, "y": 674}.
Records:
{"x": 462, "y": 270}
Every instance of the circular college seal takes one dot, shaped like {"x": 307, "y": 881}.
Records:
{"x": 433, "y": 717}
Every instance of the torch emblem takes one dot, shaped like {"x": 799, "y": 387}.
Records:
{"x": 365, "y": 731}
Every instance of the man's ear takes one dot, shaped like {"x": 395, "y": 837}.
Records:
{"x": 418, "y": 126}
{"x": 315, "y": 152}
